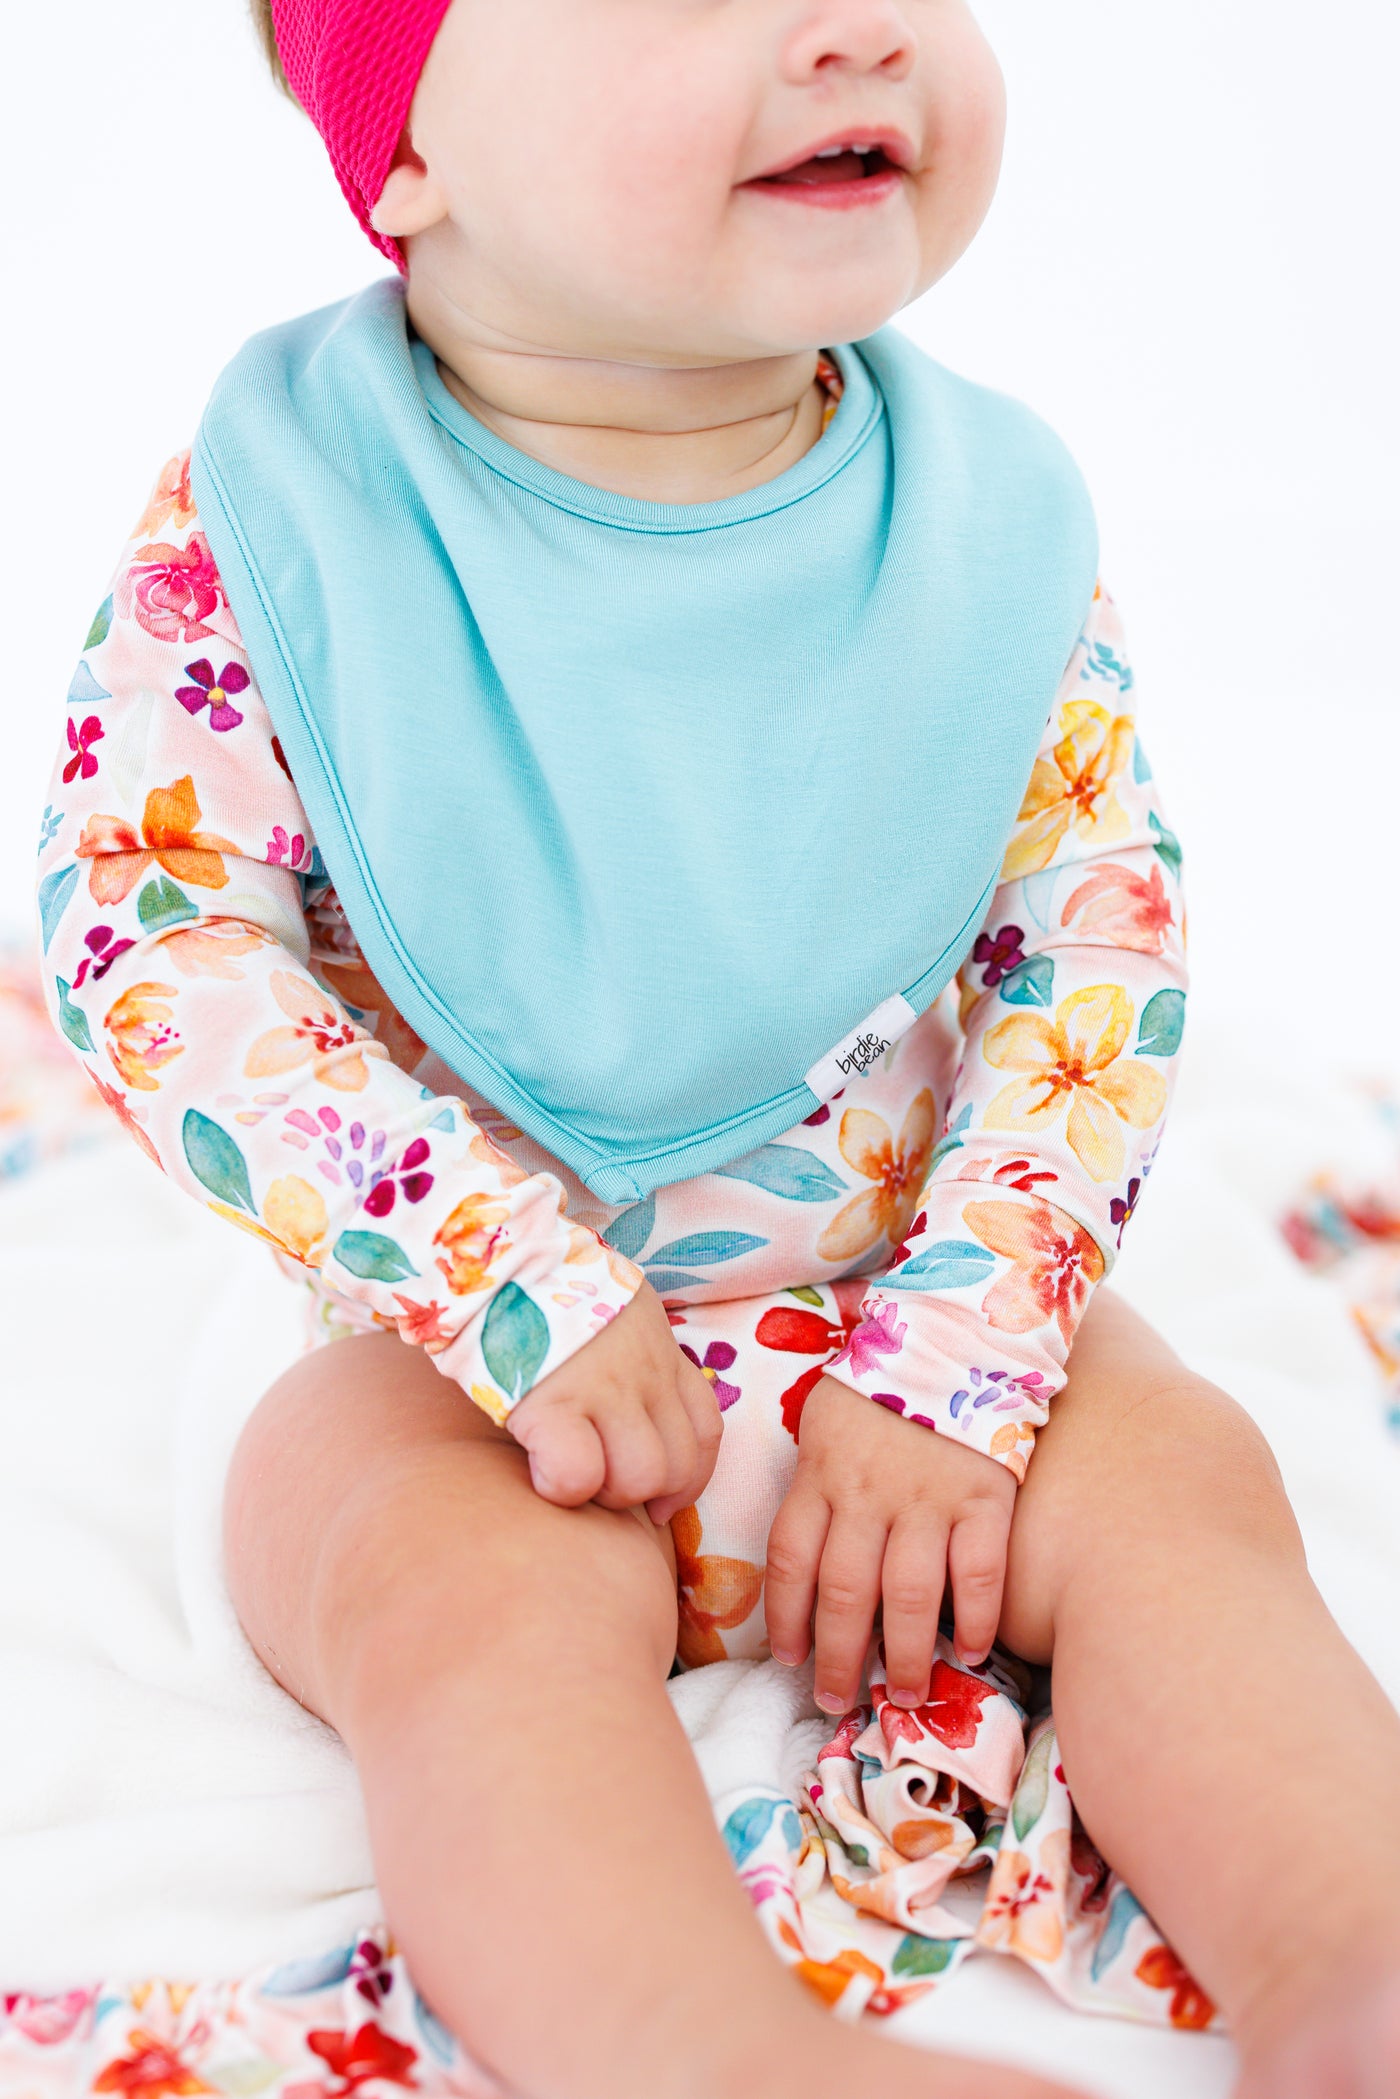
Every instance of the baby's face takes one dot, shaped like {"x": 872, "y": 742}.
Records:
{"x": 600, "y": 166}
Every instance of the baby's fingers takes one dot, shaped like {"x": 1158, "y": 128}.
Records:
{"x": 977, "y": 1568}
{"x": 848, "y": 1589}
{"x": 916, "y": 1564}
{"x": 683, "y": 1480}
{"x": 795, "y": 1542}
{"x": 568, "y": 1463}
{"x": 636, "y": 1458}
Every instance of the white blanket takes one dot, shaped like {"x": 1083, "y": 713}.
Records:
{"x": 166, "y": 1809}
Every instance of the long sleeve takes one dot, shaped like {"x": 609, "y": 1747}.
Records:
{"x": 1072, "y": 1005}
{"x": 177, "y": 877}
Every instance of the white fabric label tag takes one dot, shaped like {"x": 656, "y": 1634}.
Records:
{"x": 853, "y": 1055}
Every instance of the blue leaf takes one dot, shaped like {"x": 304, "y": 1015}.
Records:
{"x": 664, "y": 1279}
{"x": 101, "y": 625}
{"x": 1142, "y": 771}
{"x": 949, "y": 1264}
{"x": 1163, "y": 1021}
{"x": 1032, "y": 983}
{"x": 1166, "y": 844}
{"x": 701, "y": 1249}
{"x": 1123, "y": 1912}
{"x": 372, "y": 1257}
{"x": 216, "y": 1162}
{"x": 514, "y": 1339}
{"x": 163, "y": 903}
{"x": 1037, "y": 895}
{"x": 629, "y": 1232}
{"x": 85, "y": 690}
{"x": 54, "y": 892}
{"x": 786, "y": 1170}
{"x": 749, "y": 1823}
{"x": 951, "y": 1139}
{"x": 72, "y": 1019}
{"x": 320, "y": 1971}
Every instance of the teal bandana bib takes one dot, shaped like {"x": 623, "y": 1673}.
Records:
{"x": 658, "y": 821}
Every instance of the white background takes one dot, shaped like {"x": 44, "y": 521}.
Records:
{"x": 1189, "y": 270}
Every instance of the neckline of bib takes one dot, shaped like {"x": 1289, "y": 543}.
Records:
{"x": 857, "y": 413}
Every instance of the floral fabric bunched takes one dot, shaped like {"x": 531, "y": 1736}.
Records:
{"x": 977, "y": 1180}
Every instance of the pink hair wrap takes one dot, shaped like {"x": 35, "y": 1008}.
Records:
{"x": 353, "y": 66}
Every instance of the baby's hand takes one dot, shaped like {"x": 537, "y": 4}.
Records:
{"x": 627, "y": 1420}
{"x": 879, "y": 1510}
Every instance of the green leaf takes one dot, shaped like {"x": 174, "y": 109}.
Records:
{"x": 514, "y": 1339}
{"x": 1123, "y": 1912}
{"x": 1162, "y": 1023}
{"x": 629, "y": 1232}
{"x": 1165, "y": 844}
{"x": 216, "y": 1162}
{"x": 787, "y": 1170}
{"x": 916, "y": 1955}
{"x": 1030, "y": 983}
{"x": 101, "y": 625}
{"x": 949, "y": 1264}
{"x": 1142, "y": 771}
{"x": 372, "y": 1257}
{"x": 163, "y": 903}
{"x": 808, "y": 1295}
{"x": 54, "y": 892}
{"x": 1033, "y": 1786}
{"x": 700, "y": 1249}
{"x": 72, "y": 1019}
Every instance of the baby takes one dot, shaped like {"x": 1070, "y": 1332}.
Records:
{"x": 602, "y": 818}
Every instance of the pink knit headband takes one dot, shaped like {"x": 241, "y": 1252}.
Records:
{"x": 353, "y": 66}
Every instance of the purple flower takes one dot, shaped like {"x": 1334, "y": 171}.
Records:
{"x": 1001, "y": 954}
{"x": 103, "y": 951}
{"x": 405, "y": 1176}
{"x": 718, "y": 1356}
{"x": 79, "y": 740}
{"x": 211, "y": 692}
{"x": 1120, "y": 1211}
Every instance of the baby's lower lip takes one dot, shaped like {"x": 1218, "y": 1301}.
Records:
{"x": 831, "y": 196}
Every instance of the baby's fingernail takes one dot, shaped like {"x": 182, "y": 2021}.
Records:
{"x": 973, "y": 1661}
{"x": 904, "y": 1698}
{"x": 830, "y": 1703}
{"x": 786, "y": 1656}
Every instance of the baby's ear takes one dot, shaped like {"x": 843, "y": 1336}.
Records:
{"x": 411, "y": 200}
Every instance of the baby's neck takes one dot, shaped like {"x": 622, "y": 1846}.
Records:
{"x": 663, "y": 433}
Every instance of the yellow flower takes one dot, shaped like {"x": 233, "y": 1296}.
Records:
{"x": 142, "y": 1038}
{"x": 295, "y": 1220}
{"x": 1073, "y": 786}
{"x": 471, "y": 1237}
{"x": 898, "y": 1169}
{"x": 1074, "y": 1063}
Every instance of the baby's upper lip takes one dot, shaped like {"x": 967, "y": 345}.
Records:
{"x": 895, "y": 144}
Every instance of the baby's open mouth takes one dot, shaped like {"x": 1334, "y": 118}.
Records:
{"x": 856, "y": 170}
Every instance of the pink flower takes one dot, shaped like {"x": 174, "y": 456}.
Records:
{"x": 872, "y": 1339}
{"x": 172, "y": 590}
{"x": 79, "y": 742}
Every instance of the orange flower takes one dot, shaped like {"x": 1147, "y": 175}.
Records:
{"x": 1160, "y": 1969}
{"x": 170, "y": 500}
{"x": 1025, "y": 1900}
{"x": 1056, "y": 1265}
{"x": 206, "y": 950}
{"x": 1074, "y": 785}
{"x": 168, "y": 837}
{"x": 897, "y": 1169}
{"x": 471, "y": 1237}
{"x": 357, "y": 984}
{"x": 1120, "y": 907}
{"x": 321, "y": 1034}
{"x": 1074, "y": 1063}
{"x": 141, "y": 1036}
{"x": 150, "y": 2071}
{"x": 117, "y": 1103}
{"x": 716, "y": 1594}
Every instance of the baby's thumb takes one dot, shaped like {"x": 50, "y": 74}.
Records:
{"x": 567, "y": 1461}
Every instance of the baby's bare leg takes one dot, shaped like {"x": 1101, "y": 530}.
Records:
{"x": 1225, "y": 1745}
{"x": 496, "y": 1665}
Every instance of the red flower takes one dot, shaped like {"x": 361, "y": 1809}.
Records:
{"x": 172, "y": 590}
{"x": 953, "y": 1712}
{"x": 152, "y": 2071}
{"x": 370, "y": 2053}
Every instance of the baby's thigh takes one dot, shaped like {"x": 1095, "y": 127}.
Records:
{"x": 1140, "y": 1457}
{"x": 371, "y": 1509}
